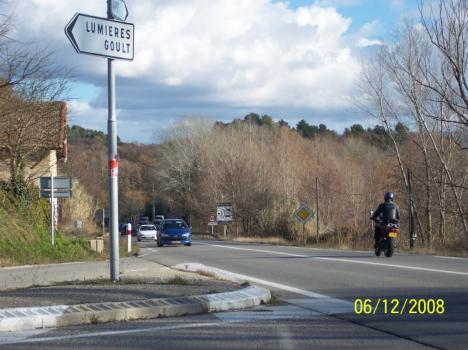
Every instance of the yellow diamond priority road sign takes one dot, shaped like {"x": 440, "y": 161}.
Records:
{"x": 303, "y": 214}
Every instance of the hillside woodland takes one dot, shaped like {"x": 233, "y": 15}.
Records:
{"x": 413, "y": 87}
{"x": 267, "y": 169}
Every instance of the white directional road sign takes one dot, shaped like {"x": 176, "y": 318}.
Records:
{"x": 101, "y": 36}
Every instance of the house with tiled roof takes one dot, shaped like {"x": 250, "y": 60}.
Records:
{"x": 32, "y": 136}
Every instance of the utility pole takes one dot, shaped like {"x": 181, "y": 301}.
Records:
{"x": 153, "y": 207}
{"x": 411, "y": 236}
{"x": 113, "y": 165}
{"x": 103, "y": 221}
{"x": 317, "y": 208}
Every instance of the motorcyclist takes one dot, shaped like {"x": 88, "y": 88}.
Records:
{"x": 387, "y": 212}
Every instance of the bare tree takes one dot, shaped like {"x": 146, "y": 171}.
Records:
{"x": 415, "y": 78}
{"x": 446, "y": 25}
{"x": 30, "y": 80}
{"x": 28, "y": 130}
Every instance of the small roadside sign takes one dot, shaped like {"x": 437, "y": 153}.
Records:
{"x": 101, "y": 36}
{"x": 303, "y": 214}
{"x": 58, "y": 193}
{"x": 212, "y": 220}
{"x": 119, "y": 10}
{"x": 62, "y": 186}
{"x": 62, "y": 182}
{"x": 224, "y": 213}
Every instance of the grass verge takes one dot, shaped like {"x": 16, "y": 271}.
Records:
{"x": 25, "y": 238}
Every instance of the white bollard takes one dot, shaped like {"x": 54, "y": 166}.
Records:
{"x": 129, "y": 237}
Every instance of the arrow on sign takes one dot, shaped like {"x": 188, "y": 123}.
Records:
{"x": 101, "y": 36}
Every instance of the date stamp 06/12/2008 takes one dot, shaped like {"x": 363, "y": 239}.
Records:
{"x": 395, "y": 306}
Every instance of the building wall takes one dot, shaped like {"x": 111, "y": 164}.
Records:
{"x": 45, "y": 167}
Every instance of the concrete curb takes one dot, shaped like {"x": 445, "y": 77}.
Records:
{"x": 213, "y": 271}
{"x": 21, "y": 319}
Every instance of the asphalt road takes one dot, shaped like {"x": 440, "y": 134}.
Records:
{"x": 315, "y": 290}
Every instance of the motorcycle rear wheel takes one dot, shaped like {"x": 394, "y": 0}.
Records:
{"x": 390, "y": 247}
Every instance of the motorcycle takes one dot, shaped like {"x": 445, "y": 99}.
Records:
{"x": 388, "y": 236}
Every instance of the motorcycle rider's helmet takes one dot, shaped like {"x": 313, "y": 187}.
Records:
{"x": 388, "y": 197}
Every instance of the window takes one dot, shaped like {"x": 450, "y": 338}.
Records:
{"x": 174, "y": 224}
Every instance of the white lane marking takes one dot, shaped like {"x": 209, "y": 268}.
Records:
{"x": 338, "y": 259}
{"x": 225, "y": 318}
{"x": 109, "y": 333}
{"x": 267, "y": 313}
{"x": 140, "y": 256}
{"x": 296, "y": 308}
{"x": 256, "y": 250}
{"x": 397, "y": 266}
{"x": 15, "y": 337}
{"x": 327, "y": 304}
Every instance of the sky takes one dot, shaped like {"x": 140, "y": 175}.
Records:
{"x": 219, "y": 59}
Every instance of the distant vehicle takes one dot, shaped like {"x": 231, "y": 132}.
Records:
{"x": 159, "y": 217}
{"x": 174, "y": 231}
{"x": 123, "y": 229}
{"x": 388, "y": 235}
{"x": 157, "y": 223}
{"x": 147, "y": 232}
{"x": 144, "y": 220}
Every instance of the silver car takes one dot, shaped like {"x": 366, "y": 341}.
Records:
{"x": 147, "y": 232}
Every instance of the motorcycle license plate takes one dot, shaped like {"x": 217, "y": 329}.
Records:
{"x": 393, "y": 234}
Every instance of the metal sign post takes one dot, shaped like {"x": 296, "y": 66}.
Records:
{"x": 411, "y": 235}
{"x": 212, "y": 222}
{"x": 224, "y": 215}
{"x": 115, "y": 40}
{"x": 303, "y": 214}
{"x": 113, "y": 164}
{"x": 317, "y": 233}
{"x": 54, "y": 187}
{"x": 52, "y": 206}
{"x": 103, "y": 222}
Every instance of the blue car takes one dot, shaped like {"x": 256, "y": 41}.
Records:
{"x": 174, "y": 231}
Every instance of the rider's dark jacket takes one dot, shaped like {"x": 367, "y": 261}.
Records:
{"x": 387, "y": 211}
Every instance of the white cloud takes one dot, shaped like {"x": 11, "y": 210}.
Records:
{"x": 76, "y": 107}
{"x": 244, "y": 52}
{"x": 337, "y": 3}
{"x": 364, "y": 42}
{"x": 82, "y": 113}
{"x": 193, "y": 55}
